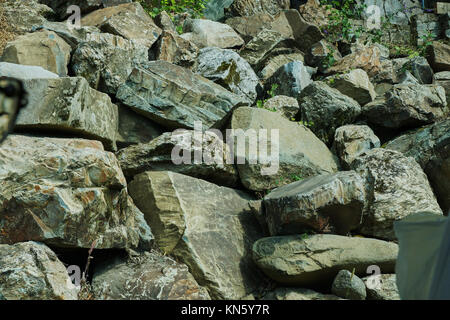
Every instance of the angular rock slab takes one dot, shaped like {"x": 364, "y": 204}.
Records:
{"x": 128, "y": 20}
{"x": 251, "y": 7}
{"x": 69, "y": 105}
{"x": 366, "y": 58}
{"x": 301, "y": 153}
{"x": 66, "y": 193}
{"x": 396, "y": 186}
{"x": 260, "y": 46}
{"x": 106, "y": 60}
{"x": 382, "y": 287}
{"x": 157, "y": 155}
{"x": 439, "y": 56}
{"x": 407, "y": 106}
{"x": 430, "y": 147}
{"x": 355, "y": 84}
{"x": 227, "y": 68}
{"x": 44, "y": 49}
{"x": 24, "y": 72}
{"x": 149, "y": 276}
{"x": 286, "y": 106}
{"x": 315, "y": 260}
{"x": 31, "y": 271}
{"x": 176, "y": 97}
{"x": 249, "y": 27}
{"x": 25, "y": 15}
{"x": 172, "y": 48}
{"x": 290, "y": 79}
{"x": 332, "y": 201}
{"x": 205, "y": 226}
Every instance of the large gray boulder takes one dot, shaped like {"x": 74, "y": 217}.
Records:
{"x": 106, "y": 60}
{"x": 175, "y": 97}
{"x": 31, "y": 271}
{"x": 172, "y": 48}
{"x": 439, "y": 56}
{"x": 24, "y": 72}
{"x": 147, "y": 276}
{"x": 315, "y": 260}
{"x": 205, "y": 226}
{"x": 396, "y": 186}
{"x": 324, "y": 203}
{"x": 72, "y": 36}
{"x": 248, "y": 27}
{"x": 348, "y": 286}
{"x": 69, "y": 106}
{"x": 325, "y": 109}
{"x": 275, "y": 59}
{"x": 290, "y": 79}
{"x": 157, "y": 155}
{"x": 430, "y": 147}
{"x": 257, "y": 49}
{"x": 406, "y": 106}
{"x": 66, "y": 193}
{"x": 297, "y": 150}
{"x": 227, "y": 68}
{"x": 284, "y": 105}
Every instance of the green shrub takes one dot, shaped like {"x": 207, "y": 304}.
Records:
{"x": 194, "y": 7}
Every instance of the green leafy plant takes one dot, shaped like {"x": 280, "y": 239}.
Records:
{"x": 194, "y": 7}
{"x": 271, "y": 93}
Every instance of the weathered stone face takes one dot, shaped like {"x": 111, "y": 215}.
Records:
{"x": 172, "y": 48}
{"x": 157, "y": 155}
{"x": 439, "y": 56}
{"x": 129, "y": 21}
{"x": 387, "y": 289}
{"x": 31, "y": 271}
{"x": 24, "y": 72}
{"x": 324, "y": 203}
{"x": 176, "y": 97}
{"x": 148, "y": 276}
{"x": 301, "y": 153}
{"x": 348, "y": 286}
{"x": 319, "y": 51}
{"x": 290, "y": 79}
{"x": 275, "y": 60}
{"x": 67, "y": 193}
{"x": 443, "y": 79}
{"x": 315, "y": 260}
{"x": 256, "y": 50}
{"x": 251, "y": 7}
{"x": 284, "y": 105}
{"x": 69, "y": 105}
{"x": 45, "y": 49}
{"x": 366, "y": 58}
{"x": 396, "y": 187}
{"x": 25, "y": 15}
{"x": 207, "y": 227}
{"x": 249, "y": 27}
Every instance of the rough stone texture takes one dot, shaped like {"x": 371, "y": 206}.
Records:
{"x": 157, "y": 156}
{"x": 325, "y": 109}
{"x": 355, "y": 84}
{"x": 24, "y": 72}
{"x": 286, "y": 294}
{"x": 407, "y": 78}
{"x": 422, "y": 24}
{"x": 45, "y": 49}
{"x": 251, "y": 7}
{"x": 312, "y": 12}
{"x": 172, "y": 48}
{"x": 319, "y": 51}
{"x": 366, "y": 58}
{"x": 164, "y": 21}
{"x": 439, "y": 56}
{"x": 348, "y": 286}
{"x": 351, "y": 141}
{"x": 407, "y": 106}
{"x": 387, "y": 289}
{"x": 128, "y": 20}
{"x": 135, "y": 128}
{"x": 207, "y": 227}
{"x": 301, "y": 153}
{"x": 260, "y": 46}
{"x": 69, "y": 105}
{"x": 207, "y": 33}
{"x": 148, "y": 276}
{"x": 273, "y": 62}
{"x": 227, "y": 68}
{"x": 25, "y": 15}
{"x": 430, "y": 147}
{"x": 386, "y": 73}
{"x": 290, "y": 79}
{"x": 324, "y": 203}
{"x": 398, "y": 13}
{"x": 249, "y": 27}
{"x": 31, "y": 271}
{"x": 396, "y": 186}
{"x": 421, "y": 70}
{"x": 443, "y": 79}
{"x": 215, "y": 9}
{"x": 176, "y": 97}
{"x": 284, "y": 105}
{"x": 312, "y": 260}
{"x": 66, "y": 193}
{"x": 72, "y": 36}
{"x": 60, "y": 6}
{"x": 106, "y": 60}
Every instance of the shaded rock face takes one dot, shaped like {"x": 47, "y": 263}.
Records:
{"x": 257, "y": 49}
{"x": 348, "y": 286}
{"x": 175, "y": 97}
{"x": 248, "y": 27}
{"x": 72, "y": 36}
{"x": 129, "y": 21}
{"x": 301, "y": 153}
{"x": 24, "y": 72}
{"x": 382, "y": 287}
{"x": 439, "y": 56}
{"x": 251, "y": 7}
{"x": 324, "y": 203}
{"x": 60, "y": 6}
{"x": 443, "y": 79}
{"x": 26, "y": 15}
{"x": 286, "y": 106}
{"x": 351, "y": 141}
{"x": 69, "y": 105}
{"x": 319, "y": 51}
{"x": 207, "y": 33}
{"x": 157, "y": 155}
{"x": 31, "y": 271}
{"x": 172, "y": 48}
{"x": 430, "y": 147}
{"x": 355, "y": 84}
{"x": 396, "y": 186}
{"x": 407, "y": 106}
{"x": 290, "y": 79}
{"x": 67, "y": 193}
{"x": 286, "y": 294}
{"x": 422, "y": 70}
{"x": 45, "y": 49}
{"x": 311, "y": 260}
{"x": 275, "y": 60}
{"x": 149, "y": 276}
{"x": 207, "y": 227}
{"x": 228, "y": 69}
{"x": 325, "y": 109}
{"x": 106, "y": 60}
